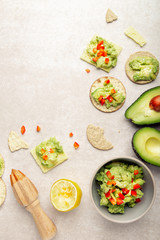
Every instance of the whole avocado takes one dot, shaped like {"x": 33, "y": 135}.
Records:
{"x": 146, "y": 145}
{"x": 141, "y": 112}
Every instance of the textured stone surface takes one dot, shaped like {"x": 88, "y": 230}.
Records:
{"x": 44, "y": 82}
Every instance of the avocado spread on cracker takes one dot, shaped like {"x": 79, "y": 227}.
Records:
{"x": 48, "y": 151}
{"x": 120, "y": 186}
{"x": 145, "y": 68}
{"x": 108, "y": 95}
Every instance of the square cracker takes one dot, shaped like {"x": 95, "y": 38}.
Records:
{"x": 61, "y": 158}
{"x": 87, "y": 58}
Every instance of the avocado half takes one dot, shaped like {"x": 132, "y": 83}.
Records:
{"x": 140, "y": 113}
{"x": 146, "y": 144}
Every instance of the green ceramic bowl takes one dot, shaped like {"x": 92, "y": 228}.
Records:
{"x": 140, "y": 209}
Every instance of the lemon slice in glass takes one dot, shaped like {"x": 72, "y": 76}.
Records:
{"x": 65, "y": 195}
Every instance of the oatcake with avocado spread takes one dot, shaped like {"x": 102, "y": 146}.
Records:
{"x": 107, "y": 94}
{"x": 142, "y": 67}
{"x": 101, "y": 53}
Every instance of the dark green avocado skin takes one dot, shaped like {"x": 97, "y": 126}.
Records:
{"x": 130, "y": 112}
{"x": 137, "y": 154}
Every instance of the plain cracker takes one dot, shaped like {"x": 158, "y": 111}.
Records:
{"x": 110, "y": 16}
{"x": 2, "y": 191}
{"x": 15, "y": 142}
{"x": 97, "y": 139}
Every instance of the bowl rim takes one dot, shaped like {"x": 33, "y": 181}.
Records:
{"x": 154, "y": 189}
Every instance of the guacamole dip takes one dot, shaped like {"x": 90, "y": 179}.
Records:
{"x": 120, "y": 186}
{"x": 145, "y": 68}
{"x": 108, "y": 95}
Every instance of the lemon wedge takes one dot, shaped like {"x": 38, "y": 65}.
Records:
{"x": 65, "y": 195}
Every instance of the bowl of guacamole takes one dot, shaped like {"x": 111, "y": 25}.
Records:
{"x": 122, "y": 189}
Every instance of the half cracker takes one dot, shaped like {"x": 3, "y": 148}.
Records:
{"x": 110, "y": 16}
{"x": 98, "y": 84}
{"x": 60, "y": 159}
{"x": 2, "y": 165}
{"x": 130, "y": 72}
{"x": 15, "y": 142}
{"x": 97, "y": 139}
{"x": 2, "y": 191}
{"x": 87, "y": 58}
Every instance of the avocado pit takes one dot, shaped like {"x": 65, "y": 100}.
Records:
{"x": 155, "y": 103}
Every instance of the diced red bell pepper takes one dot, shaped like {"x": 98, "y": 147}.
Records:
{"x": 112, "y": 182}
{"x": 136, "y": 172}
{"x": 121, "y": 195}
{"x": 23, "y": 129}
{"x": 125, "y": 191}
{"x": 108, "y": 173}
{"x": 132, "y": 180}
{"x": 119, "y": 201}
{"x": 110, "y": 98}
{"x": 106, "y": 60}
{"x": 43, "y": 150}
{"x": 38, "y": 129}
{"x": 99, "y": 44}
{"x": 51, "y": 150}
{"x": 45, "y": 157}
{"x": 95, "y": 59}
{"x": 136, "y": 186}
{"x": 71, "y": 134}
{"x": 87, "y": 70}
{"x": 108, "y": 193}
{"x": 102, "y": 102}
{"x": 138, "y": 200}
{"x": 94, "y": 50}
{"x": 112, "y": 201}
{"x": 107, "y": 81}
{"x": 133, "y": 193}
{"x": 113, "y": 91}
{"x": 76, "y": 145}
{"x": 113, "y": 190}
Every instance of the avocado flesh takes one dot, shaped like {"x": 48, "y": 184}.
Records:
{"x": 146, "y": 143}
{"x": 140, "y": 113}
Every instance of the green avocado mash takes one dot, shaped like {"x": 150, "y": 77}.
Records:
{"x": 48, "y": 151}
{"x": 120, "y": 185}
{"x": 2, "y": 166}
{"x": 100, "y": 49}
{"x": 145, "y": 68}
{"x": 108, "y": 95}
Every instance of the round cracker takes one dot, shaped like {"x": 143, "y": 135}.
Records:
{"x": 2, "y": 191}
{"x": 97, "y": 139}
{"x": 2, "y": 165}
{"x": 99, "y": 83}
{"x": 130, "y": 72}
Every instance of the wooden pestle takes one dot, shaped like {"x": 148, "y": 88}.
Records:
{"x": 27, "y": 195}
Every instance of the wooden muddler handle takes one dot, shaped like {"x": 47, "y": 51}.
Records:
{"x": 46, "y": 227}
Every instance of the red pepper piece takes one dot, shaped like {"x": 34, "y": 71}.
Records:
{"x": 108, "y": 173}
{"x": 108, "y": 193}
{"x": 102, "y": 102}
{"x": 99, "y": 44}
{"x": 119, "y": 201}
{"x": 110, "y": 183}
{"x": 87, "y": 70}
{"x": 95, "y": 59}
{"x": 71, "y": 134}
{"x": 38, "y": 129}
{"x": 110, "y": 98}
{"x": 121, "y": 195}
{"x": 76, "y": 145}
{"x": 125, "y": 191}
{"x": 107, "y": 81}
{"x": 94, "y": 50}
{"x": 132, "y": 180}
{"x": 112, "y": 201}
{"x": 23, "y": 129}
{"x": 113, "y": 190}
{"x": 45, "y": 157}
{"x": 136, "y": 186}
{"x": 42, "y": 150}
{"x": 136, "y": 172}
{"x": 113, "y": 91}
{"x": 106, "y": 60}
{"x": 133, "y": 193}
{"x": 138, "y": 200}
{"x": 51, "y": 150}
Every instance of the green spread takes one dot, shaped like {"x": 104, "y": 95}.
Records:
{"x": 2, "y": 166}
{"x": 145, "y": 68}
{"x": 120, "y": 185}
{"x": 103, "y": 53}
{"x": 108, "y": 95}
{"x": 48, "y": 151}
